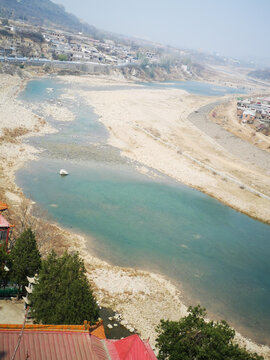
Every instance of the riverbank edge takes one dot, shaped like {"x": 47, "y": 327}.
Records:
{"x": 97, "y": 264}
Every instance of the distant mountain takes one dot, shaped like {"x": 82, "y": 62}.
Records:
{"x": 44, "y": 13}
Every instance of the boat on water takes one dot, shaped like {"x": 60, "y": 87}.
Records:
{"x": 63, "y": 172}
{"x": 49, "y": 90}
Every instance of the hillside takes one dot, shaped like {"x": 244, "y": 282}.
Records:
{"x": 44, "y": 13}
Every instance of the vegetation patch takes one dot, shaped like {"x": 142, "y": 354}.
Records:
{"x": 194, "y": 338}
{"x": 11, "y": 135}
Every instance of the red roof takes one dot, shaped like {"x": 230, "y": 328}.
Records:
{"x": 71, "y": 345}
{"x": 3, "y": 222}
{"x": 130, "y": 348}
{"x": 52, "y": 345}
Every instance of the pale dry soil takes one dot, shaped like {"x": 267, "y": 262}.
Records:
{"x": 149, "y": 126}
{"x": 11, "y": 311}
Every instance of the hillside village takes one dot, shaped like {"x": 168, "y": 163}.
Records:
{"x": 255, "y": 112}
{"x": 20, "y": 41}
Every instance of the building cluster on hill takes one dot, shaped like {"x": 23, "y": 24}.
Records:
{"x": 256, "y": 112}
{"x": 20, "y": 40}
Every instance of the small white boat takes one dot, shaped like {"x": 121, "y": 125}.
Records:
{"x": 63, "y": 172}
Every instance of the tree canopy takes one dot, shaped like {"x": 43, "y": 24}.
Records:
{"x": 5, "y": 22}
{"x": 62, "y": 57}
{"x": 5, "y": 266}
{"x": 63, "y": 294}
{"x": 26, "y": 259}
{"x": 194, "y": 338}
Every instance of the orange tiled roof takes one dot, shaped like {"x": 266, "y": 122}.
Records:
{"x": 39, "y": 327}
{"x": 3, "y": 206}
{"x": 97, "y": 329}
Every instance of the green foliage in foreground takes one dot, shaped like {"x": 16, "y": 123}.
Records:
{"x": 5, "y": 261}
{"x": 193, "y": 338}
{"x": 26, "y": 259}
{"x": 63, "y": 294}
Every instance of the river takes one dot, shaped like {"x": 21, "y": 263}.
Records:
{"x": 216, "y": 255}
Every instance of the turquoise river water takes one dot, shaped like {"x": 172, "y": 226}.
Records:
{"x": 217, "y": 256}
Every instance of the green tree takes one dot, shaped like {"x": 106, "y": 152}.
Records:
{"x": 63, "y": 294}
{"x": 62, "y": 57}
{"x": 193, "y": 338}
{"x": 166, "y": 62}
{"x": 54, "y": 55}
{"x": 26, "y": 259}
{"x": 143, "y": 61}
{"x": 5, "y": 22}
{"x": 5, "y": 263}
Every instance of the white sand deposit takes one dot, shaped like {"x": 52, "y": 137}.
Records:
{"x": 57, "y": 112}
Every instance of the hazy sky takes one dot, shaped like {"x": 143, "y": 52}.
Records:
{"x": 230, "y": 27}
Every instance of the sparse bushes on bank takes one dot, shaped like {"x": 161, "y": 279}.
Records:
{"x": 5, "y": 266}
